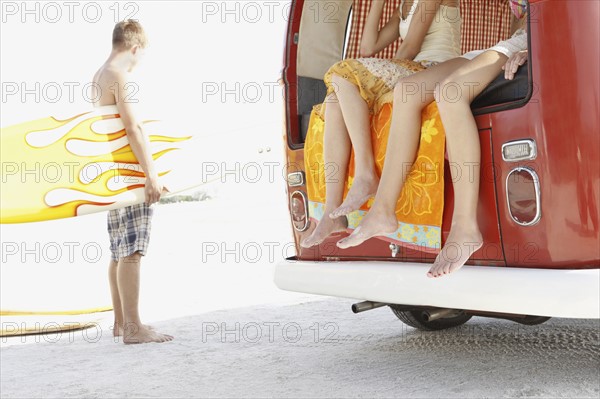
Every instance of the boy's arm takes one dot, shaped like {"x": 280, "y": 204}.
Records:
{"x": 140, "y": 145}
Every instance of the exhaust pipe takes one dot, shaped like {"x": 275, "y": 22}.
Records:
{"x": 367, "y": 305}
{"x": 434, "y": 314}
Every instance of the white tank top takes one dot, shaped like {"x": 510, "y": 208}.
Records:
{"x": 442, "y": 41}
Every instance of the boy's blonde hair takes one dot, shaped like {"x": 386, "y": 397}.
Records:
{"x": 127, "y": 34}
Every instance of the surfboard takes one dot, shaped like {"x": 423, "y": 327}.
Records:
{"x": 18, "y": 323}
{"x": 55, "y": 168}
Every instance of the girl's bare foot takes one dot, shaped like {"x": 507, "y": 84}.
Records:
{"x": 325, "y": 228}
{"x": 462, "y": 243}
{"x": 144, "y": 336}
{"x": 363, "y": 188}
{"x": 374, "y": 224}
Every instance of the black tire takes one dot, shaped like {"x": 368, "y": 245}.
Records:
{"x": 416, "y": 319}
{"x": 532, "y": 320}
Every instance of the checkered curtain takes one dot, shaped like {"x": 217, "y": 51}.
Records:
{"x": 360, "y": 10}
{"x": 485, "y": 23}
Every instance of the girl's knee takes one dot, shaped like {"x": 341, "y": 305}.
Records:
{"x": 335, "y": 82}
{"x": 338, "y": 81}
{"x": 451, "y": 92}
{"x": 408, "y": 93}
{"x": 332, "y": 100}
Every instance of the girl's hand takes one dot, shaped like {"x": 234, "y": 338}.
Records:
{"x": 514, "y": 62}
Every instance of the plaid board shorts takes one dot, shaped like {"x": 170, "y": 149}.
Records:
{"x": 129, "y": 230}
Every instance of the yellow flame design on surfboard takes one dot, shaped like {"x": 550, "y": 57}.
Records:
{"x": 54, "y": 169}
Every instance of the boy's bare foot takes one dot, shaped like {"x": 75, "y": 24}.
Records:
{"x": 363, "y": 188}
{"x": 374, "y": 224}
{"x": 118, "y": 331}
{"x": 462, "y": 243}
{"x": 144, "y": 336}
{"x": 325, "y": 228}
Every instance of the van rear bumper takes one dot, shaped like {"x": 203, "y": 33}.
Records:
{"x": 536, "y": 292}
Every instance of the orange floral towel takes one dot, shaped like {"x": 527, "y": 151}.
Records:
{"x": 421, "y": 204}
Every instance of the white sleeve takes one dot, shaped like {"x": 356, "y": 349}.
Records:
{"x": 518, "y": 42}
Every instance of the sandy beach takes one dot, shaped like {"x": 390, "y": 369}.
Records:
{"x": 314, "y": 349}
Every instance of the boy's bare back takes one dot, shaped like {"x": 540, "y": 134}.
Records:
{"x": 112, "y": 85}
{"x": 105, "y": 82}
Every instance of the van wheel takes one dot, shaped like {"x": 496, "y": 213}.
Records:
{"x": 532, "y": 320}
{"x": 416, "y": 319}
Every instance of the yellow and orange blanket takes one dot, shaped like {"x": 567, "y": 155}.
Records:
{"x": 421, "y": 205}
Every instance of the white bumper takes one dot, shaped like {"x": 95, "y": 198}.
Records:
{"x": 538, "y": 292}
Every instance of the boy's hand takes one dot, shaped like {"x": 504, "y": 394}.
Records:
{"x": 514, "y": 62}
{"x": 153, "y": 190}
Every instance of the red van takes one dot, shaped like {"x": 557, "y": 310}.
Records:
{"x": 539, "y": 204}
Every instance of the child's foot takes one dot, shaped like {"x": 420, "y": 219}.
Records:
{"x": 374, "y": 224}
{"x": 363, "y": 188}
{"x": 118, "y": 331}
{"x": 144, "y": 336}
{"x": 325, "y": 228}
{"x": 462, "y": 243}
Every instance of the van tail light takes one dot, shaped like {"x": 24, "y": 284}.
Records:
{"x": 520, "y": 150}
{"x": 295, "y": 179}
{"x": 299, "y": 209}
{"x": 523, "y": 196}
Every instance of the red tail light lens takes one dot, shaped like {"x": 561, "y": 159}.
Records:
{"x": 523, "y": 195}
{"x": 299, "y": 210}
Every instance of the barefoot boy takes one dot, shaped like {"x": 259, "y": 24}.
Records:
{"x": 129, "y": 227}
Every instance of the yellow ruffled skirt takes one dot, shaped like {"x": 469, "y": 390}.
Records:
{"x": 374, "y": 77}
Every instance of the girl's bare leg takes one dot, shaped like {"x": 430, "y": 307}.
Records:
{"x": 454, "y": 96}
{"x": 411, "y": 95}
{"x": 336, "y": 154}
{"x": 356, "y": 115}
